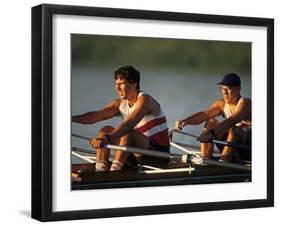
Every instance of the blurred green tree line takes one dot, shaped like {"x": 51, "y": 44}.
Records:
{"x": 162, "y": 53}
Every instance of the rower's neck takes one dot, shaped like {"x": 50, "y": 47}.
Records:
{"x": 236, "y": 100}
{"x": 132, "y": 99}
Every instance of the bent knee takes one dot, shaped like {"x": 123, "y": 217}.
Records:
{"x": 236, "y": 131}
{"x": 106, "y": 129}
{"x": 237, "y": 134}
{"x": 210, "y": 124}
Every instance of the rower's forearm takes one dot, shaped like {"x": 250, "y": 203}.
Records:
{"x": 195, "y": 119}
{"x": 87, "y": 118}
{"x": 122, "y": 129}
{"x": 225, "y": 125}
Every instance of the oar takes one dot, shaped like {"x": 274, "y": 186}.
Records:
{"x": 182, "y": 132}
{"x": 225, "y": 143}
{"x": 152, "y": 153}
{"x": 183, "y": 158}
{"x": 79, "y": 136}
{"x": 233, "y": 145}
{"x": 148, "y": 152}
{"x": 159, "y": 154}
{"x": 83, "y": 157}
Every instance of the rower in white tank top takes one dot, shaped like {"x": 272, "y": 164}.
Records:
{"x": 151, "y": 126}
{"x": 245, "y": 124}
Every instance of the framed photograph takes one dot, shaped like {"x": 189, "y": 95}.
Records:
{"x": 145, "y": 112}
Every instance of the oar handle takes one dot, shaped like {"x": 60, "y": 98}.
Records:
{"x": 171, "y": 131}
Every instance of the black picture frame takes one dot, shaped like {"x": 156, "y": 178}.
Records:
{"x": 42, "y": 108}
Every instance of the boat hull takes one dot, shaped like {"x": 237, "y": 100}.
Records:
{"x": 134, "y": 177}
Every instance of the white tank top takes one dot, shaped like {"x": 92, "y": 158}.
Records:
{"x": 153, "y": 127}
{"x": 228, "y": 113}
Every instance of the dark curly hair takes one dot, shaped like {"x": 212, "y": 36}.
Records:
{"x": 129, "y": 73}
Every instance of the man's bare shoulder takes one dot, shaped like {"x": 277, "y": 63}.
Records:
{"x": 150, "y": 103}
{"x": 146, "y": 96}
{"x": 149, "y": 99}
{"x": 219, "y": 103}
{"x": 246, "y": 101}
{"x": 117, "y": 101}
{"x": 145, "y": 100}
{"x": 114, "y": 103}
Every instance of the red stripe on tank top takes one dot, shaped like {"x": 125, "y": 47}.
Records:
{"x": 149, "y": 125}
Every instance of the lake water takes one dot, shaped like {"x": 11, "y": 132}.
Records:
{"x": 179, "y": 93}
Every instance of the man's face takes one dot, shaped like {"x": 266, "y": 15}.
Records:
{"x": 123, "y": 88}
{"x": 229, "y": 94}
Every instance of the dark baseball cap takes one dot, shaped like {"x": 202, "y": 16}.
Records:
{"x": 231, "y": 80}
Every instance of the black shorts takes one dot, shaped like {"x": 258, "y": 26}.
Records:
{"x": 157, "y": 147}
{"x": 239, "y": 154}
{"x": 150, "y": 160}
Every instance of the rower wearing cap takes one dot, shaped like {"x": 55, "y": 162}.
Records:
{"x": 235, "y": 127}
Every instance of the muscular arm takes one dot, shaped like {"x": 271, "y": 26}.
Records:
{"x": 109, "y": 111}
{"x": 144, "y": 105}
{"x": 242, "y": 112}
{"x": 199, "y": 117}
